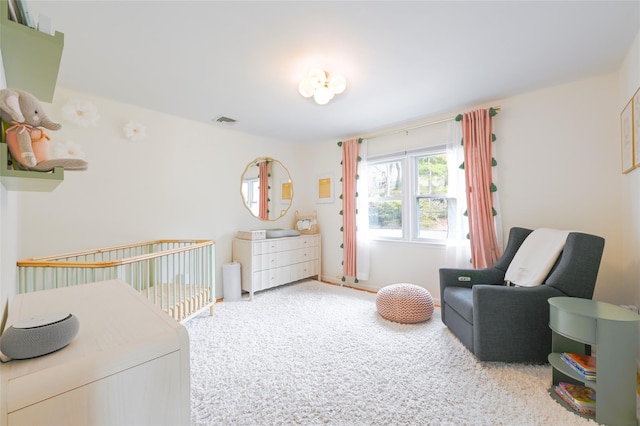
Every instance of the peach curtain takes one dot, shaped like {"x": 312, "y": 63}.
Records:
{"x": 477, "y": 138}
{"x": 350, "y": 154}
{"x": 263, "y": 171}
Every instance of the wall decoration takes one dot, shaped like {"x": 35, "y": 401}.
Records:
{"x": 324, "y": 189}
{"x": 286, "y": 192}
{"x": 636, "y": 129}
{"x": 134, "y": 131}
{"x": 626, "y": 132}
{"x": 66, "y": 149}
{"x": 80, "y": 113}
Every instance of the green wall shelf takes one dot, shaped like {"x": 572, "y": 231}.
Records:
{"x": 31, "y": 61}
{"x": 31, "y": 58}
{"x": 25, "y": 180}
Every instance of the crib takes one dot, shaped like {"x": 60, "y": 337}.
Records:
{"x": 176, "y": 275}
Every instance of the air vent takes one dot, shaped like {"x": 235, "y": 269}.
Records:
{"x": 225, "y": 120}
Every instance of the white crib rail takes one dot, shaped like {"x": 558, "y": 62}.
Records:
{"x": 177, "y": 275}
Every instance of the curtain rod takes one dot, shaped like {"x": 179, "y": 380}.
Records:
{"x": 431, "y": 123}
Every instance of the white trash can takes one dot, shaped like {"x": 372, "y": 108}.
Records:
{"x": 231, "y": 282}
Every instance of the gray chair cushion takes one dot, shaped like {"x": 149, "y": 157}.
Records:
{"x": 461, "y": 301}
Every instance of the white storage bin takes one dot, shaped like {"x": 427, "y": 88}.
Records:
{"x": 231, "y": 282}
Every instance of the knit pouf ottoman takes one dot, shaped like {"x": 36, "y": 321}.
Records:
{"x": 404, "y": 303}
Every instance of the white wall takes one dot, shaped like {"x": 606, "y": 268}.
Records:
{"x": 181, "y": 181}
{"x": 559, "y": 166}
{"x": 629, "y": 82}
{"x": 558, "y": 151}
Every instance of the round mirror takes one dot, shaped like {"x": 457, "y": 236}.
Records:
{"x": 266, "y": 188}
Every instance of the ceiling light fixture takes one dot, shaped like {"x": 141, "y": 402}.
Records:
{"x": 322, "y": 86}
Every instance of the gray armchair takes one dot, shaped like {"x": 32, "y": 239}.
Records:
{"x": 511, "y": 324}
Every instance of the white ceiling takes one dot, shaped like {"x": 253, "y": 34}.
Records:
{"x": 402, "y": 60}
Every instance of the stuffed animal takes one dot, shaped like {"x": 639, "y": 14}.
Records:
{"x": 27, "y": 140}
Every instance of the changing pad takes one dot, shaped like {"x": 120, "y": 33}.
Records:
{"x": 279, "y": 233}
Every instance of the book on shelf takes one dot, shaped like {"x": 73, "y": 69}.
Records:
{"x": 585, "y": 365}
{"x": 24, "y": 7}
{"x": 14, "y": 12}
{"x": 580, "y": 398}
{"x": 19, "y": 12}
{"x": 45, "y": 25}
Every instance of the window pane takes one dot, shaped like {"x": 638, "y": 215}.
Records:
{"x": 385, "y": 199}
{"x": 251, "y": 194}
{"x": 432, "y": 175}
{"x": 385, "y": 219}
{"x": 433, "y": 218}
{"x": 385, "y": 180}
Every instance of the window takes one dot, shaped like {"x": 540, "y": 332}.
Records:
{"x": 385, "y": 198}
{"x": 251, "y": 193}
{"x": 408, "y": 196}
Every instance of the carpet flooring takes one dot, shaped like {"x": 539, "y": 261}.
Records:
{"x": 311, "y": 353}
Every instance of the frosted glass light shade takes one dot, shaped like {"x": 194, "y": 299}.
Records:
{"x": 305, "y": 88}
{"x": 317, "y": 77}
{"x": 337, "y": 84}
{"x": 322, "y": 95}
{"x": 322, "y": 86}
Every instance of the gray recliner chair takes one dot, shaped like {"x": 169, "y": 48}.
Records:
{"x": 511, "y": 324}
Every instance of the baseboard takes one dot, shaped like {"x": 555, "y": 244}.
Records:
{"x": 359, "y": 286}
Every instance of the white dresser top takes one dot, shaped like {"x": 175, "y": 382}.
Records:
{"x": 119, "y": 329}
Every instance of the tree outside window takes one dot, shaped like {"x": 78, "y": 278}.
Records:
{"x": 385, "y": 199}
{"x": 431, "y": 198}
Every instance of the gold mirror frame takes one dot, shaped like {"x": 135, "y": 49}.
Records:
{"x": 279, "y": 189}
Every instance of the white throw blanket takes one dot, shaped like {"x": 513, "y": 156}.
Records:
{"x": 535, "y": 257}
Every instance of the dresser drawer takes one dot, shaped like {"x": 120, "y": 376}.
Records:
{"x": 305, "y": 269}
{"x": 269, "y": 263}
{"x": 305, "y": 254}
{"x": 309, "y": 241}
{"x": 268, "y": 278}
{"x": 274, "y": 245}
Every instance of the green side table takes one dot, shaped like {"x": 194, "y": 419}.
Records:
{"x": 578, "y": 325}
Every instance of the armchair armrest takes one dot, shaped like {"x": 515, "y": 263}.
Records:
{"x": 512, "y": 323}
{"x": 466, "y": 278}
{"x": 469, "y": 277}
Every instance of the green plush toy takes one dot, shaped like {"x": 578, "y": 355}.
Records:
{"x": 28, "y": 142}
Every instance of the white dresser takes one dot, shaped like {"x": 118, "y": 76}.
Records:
{"x": 276, "y": 261}
{"x": 128, "y": 364}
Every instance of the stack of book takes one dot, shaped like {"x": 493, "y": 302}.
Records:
{"x": 580, "y": 398}
{"x": 585, "y": 365}
{"x": 19, "y": 12}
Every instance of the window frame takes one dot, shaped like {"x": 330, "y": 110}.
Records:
{"x": 408, "y": 160}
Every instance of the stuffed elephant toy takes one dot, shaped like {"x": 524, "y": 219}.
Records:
{"x": 25, "y": 112}
{"x": 28, "y": 142}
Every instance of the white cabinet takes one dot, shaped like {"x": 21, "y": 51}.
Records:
{"x": 273, "y": 262}
{"x": 128, "y": 364}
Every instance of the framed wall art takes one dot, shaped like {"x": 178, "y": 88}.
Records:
{"x": 324, "y": 188}
{"x": 626, "y": 132}
{"x": 286, "y": 192}
{"x": 636, "y": 129}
